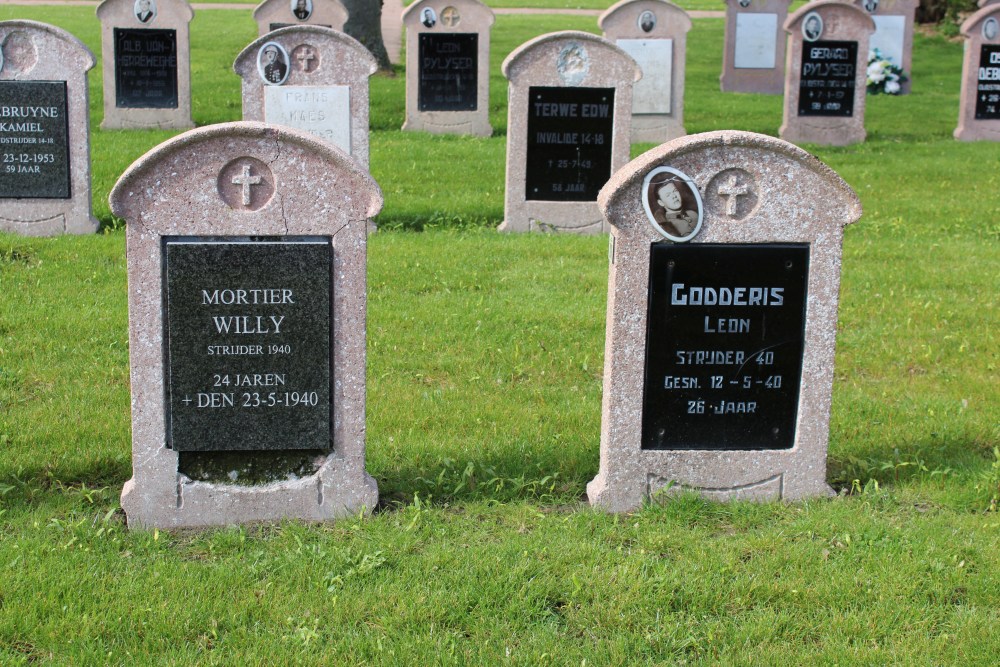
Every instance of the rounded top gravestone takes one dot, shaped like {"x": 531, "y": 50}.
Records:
{"x": 284, "y": 215}
{"x": 551, "y": 59}
{"x": 825, "y": 76}
{"x": 979, "y": 104}
{"x": 45, "y": 67}
{"x": 709, "y": 382}
{"x": 146, "y": 63}
{"x": 324, "y": 89}
{"x": 273, "y": 14}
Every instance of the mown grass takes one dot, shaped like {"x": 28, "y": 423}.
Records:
{"x": 484, "y": 386}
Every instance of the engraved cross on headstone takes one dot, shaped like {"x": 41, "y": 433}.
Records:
{"x": 246, "y": 180}
{"x": 450, "y": 17}
{"x": 732, "y": 191}
{"x": 305, "y": 58}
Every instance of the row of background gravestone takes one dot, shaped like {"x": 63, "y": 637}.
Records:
{"x": 51, "y": 194}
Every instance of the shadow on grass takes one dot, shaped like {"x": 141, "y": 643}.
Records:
{"x": 44, "y": 485}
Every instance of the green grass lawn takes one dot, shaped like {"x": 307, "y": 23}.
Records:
{"x": 484, "y": 388}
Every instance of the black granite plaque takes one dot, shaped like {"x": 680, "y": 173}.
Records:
{"x": 448, "y": 76}
{"x": 724, "y": 346}
{"x": 247, "y": 325}
{"x": 988, "y": 83}
{"x": 569, "y": 142}
{"x": 826, "y": 87}
{"x": 34, "y": 140}
{"x": 145, "y": 69}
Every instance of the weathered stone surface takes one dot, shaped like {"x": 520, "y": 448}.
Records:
{"x": 750, "y": 192}
{"x": 146, "y": 63}
{"x": 753, "y": 58}
{"x": 326, "y": 89}
{"x": 893, "y": 36}
{"x": 979, "y": 103}
{"x": 274, "y": 14}
{"x": 654, "y": 33}
{"x": 43, "y": 95}
{"x": 245, "y": 183}
{"x": 568, "y": 67}
{"x": 448, "y": 67}
{"x": 842, "y": 28}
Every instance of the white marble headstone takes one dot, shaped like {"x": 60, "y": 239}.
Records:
{"x": 889, "y": 37}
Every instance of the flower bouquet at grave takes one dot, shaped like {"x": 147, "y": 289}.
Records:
{"x": 883, "y": 75}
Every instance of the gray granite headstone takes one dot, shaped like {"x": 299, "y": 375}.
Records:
{"x": 721, "y": 321}
{"x": 44, "y": 131}
{"x": 246, "y": 250}
{"x": 753, "y": 58}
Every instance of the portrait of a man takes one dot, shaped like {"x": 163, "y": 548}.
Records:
{"x": 744, "y": 3}
{"x": 871, "y": 6}
{"x": 428, "y": 17}
{"x": 812, "y": 27}
{"x": 647, "y": 21}
{"x": 145, "y": 10}
{"x": 672, "y": 203}
{"x": 990, "y": 29}
{"x": 302, "y": 9}
{"x": 272, "y": 64}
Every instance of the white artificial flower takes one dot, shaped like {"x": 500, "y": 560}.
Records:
{"x": 875, "y": 73}
{"x": 892, "y": 87}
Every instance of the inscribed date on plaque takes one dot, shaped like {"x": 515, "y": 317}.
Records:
{"x": 448, "y": 77}
{"x": 826, "y": 87}
{"x": 247, "y": 327}
{"x": 988, "y": 83}
{"x": 724, "y": 343}
{"x": 570, "y": 132}
{"x": 145, "y": 69}
{"x": 34, "y": 140}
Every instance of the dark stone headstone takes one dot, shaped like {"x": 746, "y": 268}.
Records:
{"x": 448, "y": 78}
{"x": 724, "y": 346}
{"x": 570, "y": 132}
{"x": 826, "y": 87}
{"x": 248, "y": 352}
{"x": 988, "y": 83}
{"x": 145, "y": 69}
{"x": 34, "y": 140}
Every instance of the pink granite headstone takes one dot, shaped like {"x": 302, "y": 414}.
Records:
{"x": 146, "y": 54}
{"x": 324, "y": 90}
{"x": 448, "y": 67}
{"x": 893, "y": 36}
{"x": 273, "y": 14}
{"x": 753, "y": 59}
{"x": 568, "y": 128}
{"x": 44, "y": 131}
{"x": 654, "y": 33}
{"x": 246, "y": 248}
{"x": 825, "y": 74}
{"x": 721, "y": 321}
{"x": 979, "y": 103}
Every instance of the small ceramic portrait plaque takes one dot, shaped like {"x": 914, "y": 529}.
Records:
{"x": 990, "y": 29}
{"x": 145, "y": 10}
{"x": 302, "y": 9}
{"x": 647, "y": 21}
{"x": 672, "y": 204}
{"x": 272, "y": 63}
{"x": 428, "y": 17}
{"x": 812, "y": 27}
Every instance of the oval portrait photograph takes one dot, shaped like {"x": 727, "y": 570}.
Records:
{"x": 428, "y": 17}
{"x": 812, "y": 27}
{"x": 302, "y": 9}
{"x": 647, "y": 21}
{"x": 990, "y": 29}
{"x": 672, "y": 203}
{"x": 272, "y": 63}
{"x": 145, "y": 10}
